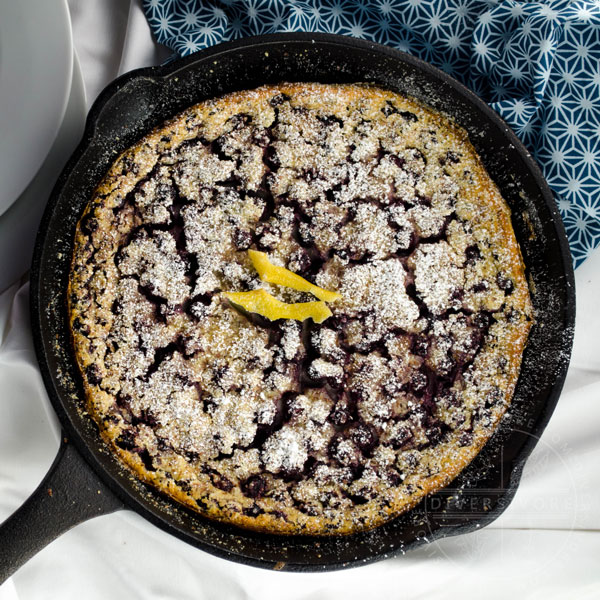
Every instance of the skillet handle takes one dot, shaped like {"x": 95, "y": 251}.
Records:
{"x": 69, "y": 494}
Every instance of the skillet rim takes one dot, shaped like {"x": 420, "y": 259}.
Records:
{"x": 163, "y": 74}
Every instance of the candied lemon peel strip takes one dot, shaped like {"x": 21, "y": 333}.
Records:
{"x": 261, "y": 302}
{"x": 271, "y": 273}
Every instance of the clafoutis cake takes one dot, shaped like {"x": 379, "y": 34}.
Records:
{"x": 299, "y": 309}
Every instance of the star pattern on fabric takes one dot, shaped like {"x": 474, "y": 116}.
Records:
{"x": 536, "y": 63}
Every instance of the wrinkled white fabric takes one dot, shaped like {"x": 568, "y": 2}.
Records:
{"x": 546, "y": 544}
{"x": 111, "y": 37}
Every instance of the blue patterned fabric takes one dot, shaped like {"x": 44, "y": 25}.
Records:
{"x": 536, "y": 63}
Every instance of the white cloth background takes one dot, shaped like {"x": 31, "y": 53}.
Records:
{"x": 546, "y": 545}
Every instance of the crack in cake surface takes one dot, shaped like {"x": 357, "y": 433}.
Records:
{"x": 278, "y": 425}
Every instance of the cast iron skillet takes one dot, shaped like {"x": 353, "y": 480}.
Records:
{"x": 86, "y": 480}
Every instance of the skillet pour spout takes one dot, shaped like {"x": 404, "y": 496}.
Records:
{"x": 87, "y": 480}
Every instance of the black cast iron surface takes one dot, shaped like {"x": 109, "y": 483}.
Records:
{"x": 141, "y": 100}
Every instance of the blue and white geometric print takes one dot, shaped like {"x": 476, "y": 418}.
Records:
{"x": 535, "y": 63}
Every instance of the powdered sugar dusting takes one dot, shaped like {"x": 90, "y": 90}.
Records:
{"x": 379, "y": 288}
{"x": 332, "y": 426}
{"x": 438, "y": 276}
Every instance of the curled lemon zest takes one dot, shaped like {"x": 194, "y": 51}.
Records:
{"x": 261, "y": 302}
{"x": 271, "y": 273}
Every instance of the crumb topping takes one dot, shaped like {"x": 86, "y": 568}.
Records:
{"x": 299, "y": 426}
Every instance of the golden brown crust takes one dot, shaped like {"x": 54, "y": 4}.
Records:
{"x": 451, "y": 241}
